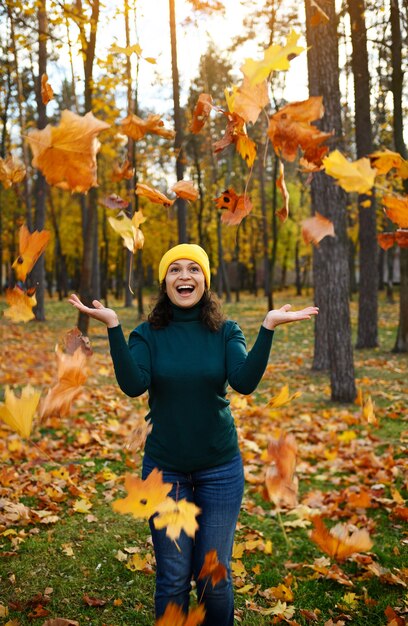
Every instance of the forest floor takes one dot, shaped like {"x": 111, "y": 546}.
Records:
{"x": 65, "y": 553}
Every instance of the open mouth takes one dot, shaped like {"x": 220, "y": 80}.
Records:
{"x": 185, "y": 289}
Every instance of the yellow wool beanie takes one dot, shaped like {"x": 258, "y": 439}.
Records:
{"x": 190, "y": 251}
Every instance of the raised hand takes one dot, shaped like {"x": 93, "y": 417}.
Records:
{"x": 284, "y": 316}
{"x": 100, "y": 312}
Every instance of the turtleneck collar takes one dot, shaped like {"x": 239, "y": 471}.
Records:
{"x": 190, "y": 314}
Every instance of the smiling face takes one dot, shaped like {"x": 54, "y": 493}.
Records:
{"x": 185, "y": 283}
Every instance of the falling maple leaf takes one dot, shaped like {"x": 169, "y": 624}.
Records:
{"x": 386, "y": 240}
{"x": 21, "y": 305}
{"x": 66, "y": 154}
{"x": 139, "y": 434}
{"x": 12, "y": 170}
{"x": 318, "y": 15}
{"x": 136, "y": 128}
{"x": 74, "y": 339}
{"x": 185, "y": 189}
{"x": 72, "y": 374}
{"x": 356, "y": 176}
{"x": 386, "y": 160}
{"x": 144, "y": 496}
{"x": 247, "y": 101}
{"x": 276, "y": 57}
{"x": 201, "y": 112}
{"x": 153, "y": 195}
{"x": 114, "y": 202}
{"x": 396, "y": 208}
{"x": 283, "y": 397}
{"x": 47, "y": 92}
{"x": 31, "y": 246}
{"x": 128, "y": 229}
{"x": 236, "y": 207}
{"x": 280, "y": 481}
{"x": 121, "y": 172}
{"x": 17, "y": 412}
{"x": 235, "y": 133}
{"x": 283, "y": 213}
{"x": 177, "y": 516}
{"x": 290, "y": 128}
{"x": 213, "y": 568}
{"x": 129, "y": 50}
{"x": 338, "y": 542}
{"x": 315, "y": 228}
{"x": 175, "y": 616}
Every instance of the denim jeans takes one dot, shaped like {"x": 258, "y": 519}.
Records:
{"x": 218, "y": 492}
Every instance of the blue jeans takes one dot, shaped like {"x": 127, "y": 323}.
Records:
{"x": 218, "y": 492}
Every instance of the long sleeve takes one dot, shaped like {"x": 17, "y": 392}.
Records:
{"x": 245, "y": 370}
{"x": 132, "y": 363}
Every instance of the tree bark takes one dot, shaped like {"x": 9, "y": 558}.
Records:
{"x": 331, "y": 272}
{"x": 367, "y": 333}
{"x": 178, "y": 126}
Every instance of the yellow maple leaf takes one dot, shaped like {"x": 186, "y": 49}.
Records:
{"x": 144, "y": 496}
{"x": 283, "y": 397}
{"x": 356, "y": 176}
{"x": 128, "y": 229}
{"x": 17, "y": 412}
{"x": 21, "y": 305}
{"x": 177, "y": 516}
{"x": 31, "y": 246}
{"x": 136, "y": 128}
{"x": 385, "y": 160}
{"x": 276, "y": 57}
{"x": 82, "y": 506}
{"x": 11, "y": 171}
{"x": 247, "y": 100}
{"x": 66, "y": 154}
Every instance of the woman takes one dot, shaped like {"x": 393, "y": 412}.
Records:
{"x": 184, "y": 355}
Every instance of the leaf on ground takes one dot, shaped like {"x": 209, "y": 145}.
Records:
{"x": 17, "y": 412}
{"x": 396, "y": 209}
{"x": 21, "y": 305}
{"x": 60, "y": 621}
{"x": 177, "y": 516}
{"x": 31, "y": 246}
{"x": 213, "y": 568}
{"x": 12, "y": 171}
{"x": 283, "y": 397}
{"x": 66, "y": 154}
{"x": 315, "y": 228}
{"x": 356, "y": 176}
{"x": 87, "y": 599}
{"x": 136, "y": 128}
{"x": 339, "y": 542}
{"x": 144, "y": 496}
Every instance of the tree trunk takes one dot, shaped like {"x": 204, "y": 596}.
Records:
{"x": 40, "y": 189}
{"x": 331, "y": 272}
{"x": 401, "y": 342}
{"x": 367, "y": 333}
{"x": 178, "y": 127}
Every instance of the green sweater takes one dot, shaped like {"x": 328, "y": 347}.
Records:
{"x": 186, "y": 368}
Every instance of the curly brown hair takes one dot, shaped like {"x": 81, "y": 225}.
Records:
{"x": 211, "y": 313}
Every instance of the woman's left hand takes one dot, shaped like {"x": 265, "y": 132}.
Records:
{"x": 284, "y": 316}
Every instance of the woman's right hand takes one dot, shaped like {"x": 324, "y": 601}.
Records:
{"x": 100, "y": 313}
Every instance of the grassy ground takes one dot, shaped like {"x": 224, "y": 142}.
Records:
{"x": 58, "y": 558}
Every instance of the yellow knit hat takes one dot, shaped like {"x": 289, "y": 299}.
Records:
{"x": 190, "y": 251}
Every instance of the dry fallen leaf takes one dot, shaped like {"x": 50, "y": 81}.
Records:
{"x": 18, "y": 413}
{"x": 338, "y": 542}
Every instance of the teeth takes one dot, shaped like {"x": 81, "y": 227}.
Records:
{"x": 185, "y": 288}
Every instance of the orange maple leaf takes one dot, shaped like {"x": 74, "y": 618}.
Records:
{"x": 236, "y": 207}
{"x": 144, "y": 496}
{"x": 315, "y": 228}
{"x": 290, "y": 129}
{"x": 396, "y": 208}
{"x": 136, "y": 128}
{"x": 153, "y": 195}
{"x": 235, "y": 133}
{"x": 283, "y": 213}
{"x": 201, "y": 112}
{"x": 31, "y": 246}
{"x": 213, "y": 568}
{"x": 47, "y": 92}
{"x": 386, "y": 240}
{"x": 338, "y": 542}
{"x": 21, "y": 305}
{"x": 175, "y": 616}
{"x": 248, "y": 101}
{"x": 11, "y": 171}
{"x": 185, "y": 189}
{"x": 280, "y": 481}
{"x": 124, "y": 171}
{"x": 66, "y": 154}
{"x": 385, "y": 160}
{"x": 72, "y": 374}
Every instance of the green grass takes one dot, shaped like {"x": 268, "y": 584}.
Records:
{"x": 35, "y": 556}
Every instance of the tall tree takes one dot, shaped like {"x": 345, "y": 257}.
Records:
{"x": 397, "y": 81}
{"x": 367, "y": 333}
{"x": 331, "y": 274}
{"x": 178, "y": 125}
{"x": 40, "y": 188}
